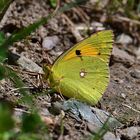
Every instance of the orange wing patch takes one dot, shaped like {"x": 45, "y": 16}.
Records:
{"x": 87, "y": 50}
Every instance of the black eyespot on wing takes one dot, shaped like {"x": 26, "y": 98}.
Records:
{"x": 78, "y": 52}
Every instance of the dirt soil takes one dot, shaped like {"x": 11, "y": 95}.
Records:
{"x": 122, "y": 97}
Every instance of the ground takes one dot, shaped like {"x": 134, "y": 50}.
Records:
{"x": 122, "y": 97}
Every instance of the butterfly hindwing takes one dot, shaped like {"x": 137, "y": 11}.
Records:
{"x": 82, "y": 80}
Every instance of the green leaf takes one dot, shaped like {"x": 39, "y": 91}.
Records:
{"x": 4, "y": 4}
{"x": 6, "y": 120}
{"x": 130, "y": 4}
{"x": 29, "y": 137}
{"x": 31, "y": 122}
{"x": 70, "y": 5}
{"x": 2, "y": 72}
{"x": 3, "y": 51}
{"x": 53, "y": 3}
{"x": 2, "y": 37}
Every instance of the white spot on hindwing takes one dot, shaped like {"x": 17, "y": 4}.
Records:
{"x": 83, "y": 73}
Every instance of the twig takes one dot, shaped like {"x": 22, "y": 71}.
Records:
{"x": 15, "y": 89}
{"x": 131, "y": 108}
{"x": 16, "y": 69}
{"x": 73, "y": 28}
{"x": 80, "y": 13}
{"x": 57, "y": 8}
{"x": 20, "y": 110}
{"x": 116, "y": 17}
{"x": 126, "y": 19}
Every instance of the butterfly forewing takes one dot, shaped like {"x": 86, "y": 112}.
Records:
{"x": 97, "y": 45}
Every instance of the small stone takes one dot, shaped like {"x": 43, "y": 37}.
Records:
{"x": 137, "y": 52}
{"x": 122, "y": 54}
{"x": 48, "y": 120}
{"x": 83, "y": 27}
{"x": 131, "y": 132}
{"x": 110, "y": 136}
{"x": 29, "y": 65}
{"x": 42, "y": 32}
{"x": 50, "y": 42}
{"x": 123, "y": 95}
{"x": 17, "y": 94}
{"x": 135, "y": 74}
{"x": 92, "y": 115}
{"x": 98, "y": 26}
{"x": 124, "y": 39}
{"x": 93, "y": 127}
{"x": 54, "y": 53}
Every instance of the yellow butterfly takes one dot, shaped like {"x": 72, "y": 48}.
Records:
{"x": 82, "y": 72}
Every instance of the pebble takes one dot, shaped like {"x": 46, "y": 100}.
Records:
{"x": 110, "y": 136}
{"x": 93, "y": 127}
{"x": 137, "y": 52}
{"x": 123, "y": 95}
{"x": 92, "y": 115}
{"x": 97, "y": 25}
{"x": 135, "y": 74}
{"x": 130, "y": 133}
{"x": 50, "y": 42}
{"x": 124, "y": 39}
{"x": 29, "y": 65}
{"x": 122, "y": 54}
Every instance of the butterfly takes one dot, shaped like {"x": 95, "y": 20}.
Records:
{"x": 82, "y": 72}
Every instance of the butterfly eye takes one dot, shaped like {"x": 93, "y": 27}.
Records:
{"x": 78, "y": 52}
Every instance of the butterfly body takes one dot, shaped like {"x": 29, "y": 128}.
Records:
{"x": 82, "y": 72}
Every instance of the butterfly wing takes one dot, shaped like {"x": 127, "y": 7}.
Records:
{"x": 86, "y": 80}
{"x": 82, "y": 72}
{"x": 97, "y": 45}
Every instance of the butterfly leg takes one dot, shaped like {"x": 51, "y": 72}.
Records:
{"x": 60, "y": 92}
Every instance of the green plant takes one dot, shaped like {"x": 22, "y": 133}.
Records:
{"x": 30, "y": 123}
{"x": 31, "y": 127}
